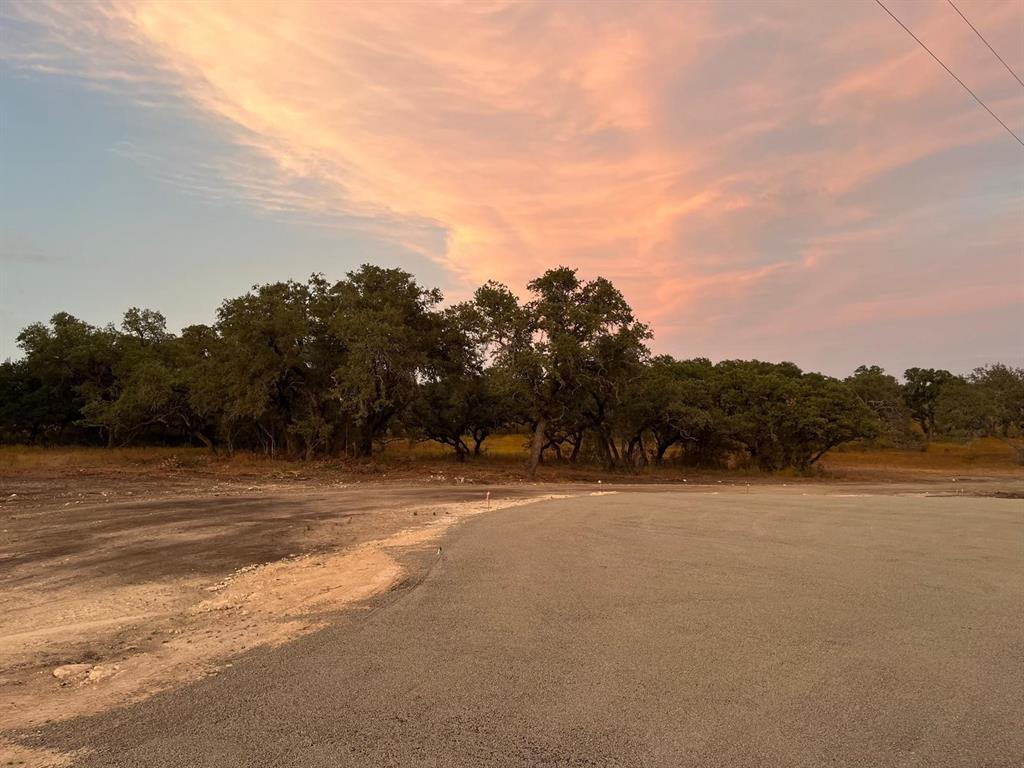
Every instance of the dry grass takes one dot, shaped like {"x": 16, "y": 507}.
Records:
{"x": 19, "y": 458}
{"x": 986, "y": 453}
{"x": 496, "y": 447}
{"x": 32, "y": 458}
{"x": 503, "y": 454}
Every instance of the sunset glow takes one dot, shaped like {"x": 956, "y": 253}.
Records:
{"x": 782, "y": 181}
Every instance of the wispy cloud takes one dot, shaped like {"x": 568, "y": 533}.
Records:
{"x": 725, "y": 163}
{"x": 18, "y": 249}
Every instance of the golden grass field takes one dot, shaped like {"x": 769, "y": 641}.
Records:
{"x": 23, "y": 457}
{"x": 501, "y": 451}
{"x": 983, "y": 453}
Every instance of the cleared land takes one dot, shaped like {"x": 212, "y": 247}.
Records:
{"x": 104, "y": 603}
{"x": 541, "y": 634}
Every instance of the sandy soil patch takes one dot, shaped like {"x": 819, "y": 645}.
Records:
{"x": 70, "y": 647}
{"x": 32, "y": 757}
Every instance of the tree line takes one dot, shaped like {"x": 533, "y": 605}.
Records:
{"x": 311, "y": 369}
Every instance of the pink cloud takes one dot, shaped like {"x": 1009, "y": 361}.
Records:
{"x": 706, "y": 158}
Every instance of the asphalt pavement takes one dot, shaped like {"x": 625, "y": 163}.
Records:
{"x": 655, "y": 629}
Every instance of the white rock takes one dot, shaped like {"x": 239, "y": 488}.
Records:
{"x": 101, "y": 673}
{"x": 67, "y": 672}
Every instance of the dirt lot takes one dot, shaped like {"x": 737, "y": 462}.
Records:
{"x": 110, "y": 591}
{"x": 115, "y": 585}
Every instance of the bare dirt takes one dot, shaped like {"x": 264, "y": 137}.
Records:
{"x": 111, "y": 592}
{"x": 117, "y": 585}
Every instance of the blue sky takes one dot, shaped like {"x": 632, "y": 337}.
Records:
{"x": 87, "y": 229}
{"x": 773, "y": 180}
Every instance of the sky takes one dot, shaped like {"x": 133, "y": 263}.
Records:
{"x": 771, "y": 180}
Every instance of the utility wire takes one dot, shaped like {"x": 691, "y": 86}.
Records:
{"x": 951, "y": 73}
{"x": 982, "y": 38}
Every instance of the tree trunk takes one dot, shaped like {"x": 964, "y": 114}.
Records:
{"x": 608, "y": 445}
{"x": 614, "y": 450}
{"x": 270, "y": 444}
{"x": 537, "y": 446}
{"x": 642, "y": 456}
{"x": 821, "y": 453}
{"x": 635, "y": 442}
{"x": 205, "y": 441}
{"x": 576, "y": 445}
{"x": 364, "y": 446}
{"x": 478, "y": 440}
{"x": 659, "y": 454}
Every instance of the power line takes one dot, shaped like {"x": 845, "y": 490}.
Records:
{"x": 982, "y": 38}
{"x": 951, "y": 73}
